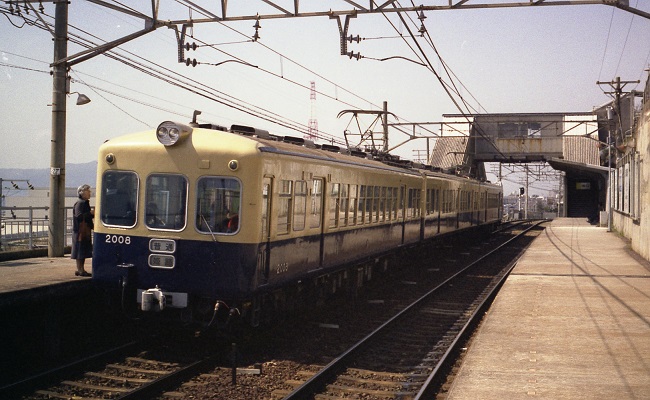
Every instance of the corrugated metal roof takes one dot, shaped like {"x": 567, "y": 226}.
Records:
{"x": 449, "y": 152}
{"x": 581, "y": 149}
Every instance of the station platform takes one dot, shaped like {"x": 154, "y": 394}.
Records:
{"x": 572, "y": 321}
{"x": 30, "y": 279}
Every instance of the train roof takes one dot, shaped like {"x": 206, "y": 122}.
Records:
{"x": 251, "y": 140}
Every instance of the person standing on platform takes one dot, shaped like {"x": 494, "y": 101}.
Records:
{"x": 82, "y": 226}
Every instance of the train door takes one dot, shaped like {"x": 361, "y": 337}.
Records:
{"x": 264, "y": 255}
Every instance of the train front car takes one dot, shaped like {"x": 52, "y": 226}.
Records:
{"x": 170, "y": 231}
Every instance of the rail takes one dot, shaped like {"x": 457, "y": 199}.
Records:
{"x": 320, "y": 380}
{"x": 27, "y": 228}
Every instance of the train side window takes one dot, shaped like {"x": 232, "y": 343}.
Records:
{"x": 166, "y": 201}
{"x": 395, "y": 201}
{"x": 119, "y": 190}
{"x": 435, "y": 200}
{"x": 218, "y": 201}
{"x": 316, "y": 203}
{"x": 362, "y": 205}
{"x": 285, "y": 195}
{"x": 409, "y": 204}
{"x": 442, "y": 203}
{"x": 400, "y": 203}
{"x": 353, "y": 207}
{"x": 377, "y": 204}
{"x": 335, "y": 205}
{"x": 300, "y": 206}
{"x": 381, "y": 204}
{"x": 344, "y": 214}
{"x": 369, "y": 204}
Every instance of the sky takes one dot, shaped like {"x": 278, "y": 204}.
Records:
{"x": 502, "y": 60}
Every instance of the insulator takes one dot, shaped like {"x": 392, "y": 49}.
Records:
{"x": 192, "y": 46}
{"x": 354, "y": 38}
{"x": 191, "y": 62}
{"x": 352, "y": 55}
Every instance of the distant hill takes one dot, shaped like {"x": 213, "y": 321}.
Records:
{"x": 76, "y": 175}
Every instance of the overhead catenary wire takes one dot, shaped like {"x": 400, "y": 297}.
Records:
{"x": 448, "y": 90}
{"x": 285, "y": 57}
{"x": 188, "y": 84}
{"x": 292, "y": 125}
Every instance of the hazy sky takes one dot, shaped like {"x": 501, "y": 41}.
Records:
{"x": 533, "y": 59}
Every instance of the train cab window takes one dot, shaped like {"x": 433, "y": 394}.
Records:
{"x": 218, "y": 202}
{"x": 119, "y": 190}
{"x": 166, "y": 201}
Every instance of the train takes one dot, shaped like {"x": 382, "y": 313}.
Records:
{"x": 203, "y": 223}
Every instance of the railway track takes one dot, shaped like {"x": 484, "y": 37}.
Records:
{"x": 407, "y": 356}
{"x": 399, "y": 358}
{"x": 132, "y": 371}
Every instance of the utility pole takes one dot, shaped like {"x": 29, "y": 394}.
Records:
{"x": 613, "y": 114}
{"x": 56, "y": 236}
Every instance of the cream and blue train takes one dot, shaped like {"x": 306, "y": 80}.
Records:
{"x": 204, "y": 221}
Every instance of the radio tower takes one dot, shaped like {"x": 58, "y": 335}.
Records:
{"x": 312, "y": 126}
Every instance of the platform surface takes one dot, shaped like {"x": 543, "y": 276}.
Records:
{"x": 29, "y": 273}
{"x": 571, "y": 322}
{"x": 32, "y": 278}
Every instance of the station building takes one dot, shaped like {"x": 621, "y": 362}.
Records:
{"x": 600, "y": 153}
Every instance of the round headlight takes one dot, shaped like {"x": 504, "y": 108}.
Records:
{"x": 169, "y": 133}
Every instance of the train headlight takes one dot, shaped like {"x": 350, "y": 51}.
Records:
{"x": 169, "y": 133}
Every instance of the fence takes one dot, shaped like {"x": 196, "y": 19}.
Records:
{"x": 27, "y": 227}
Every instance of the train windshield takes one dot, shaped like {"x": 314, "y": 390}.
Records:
{"x": 217, "y": 205}
{"x": 166, "y": 201}
{"x": 119, "y": 198}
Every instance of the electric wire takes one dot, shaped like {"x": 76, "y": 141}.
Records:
{"x": 283, "y": 56}
{"x": 609, "y": 32}
{"x": 3, "y": 64}
{"x": 627, "y": 36}
{"x": 447, "y": 89}
{"x": 194, "y": 86}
